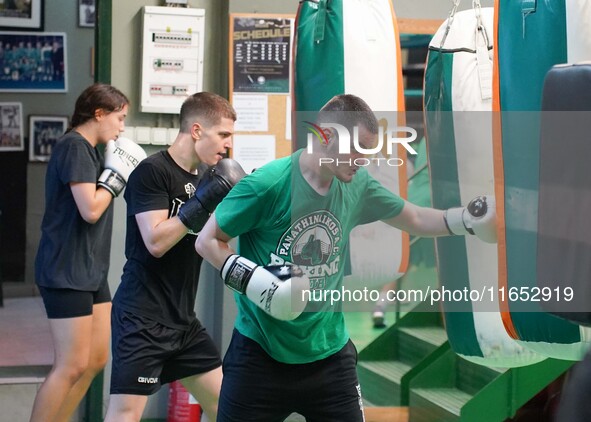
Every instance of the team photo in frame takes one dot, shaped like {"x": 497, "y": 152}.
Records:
{"x": 44, "y": 131}
{"x": 33, "y": 62}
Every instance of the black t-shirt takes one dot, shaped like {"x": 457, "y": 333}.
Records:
{"x": 162, "y": 289}
{"x": 72, "y": 253}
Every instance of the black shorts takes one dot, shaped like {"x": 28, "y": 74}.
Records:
{"x": 576, "y": 392}
{"x": 70, "y": 303}
{"x": 147, "y": 354}
{"x": 257, "y": 388}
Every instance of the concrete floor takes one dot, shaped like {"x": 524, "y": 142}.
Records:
{"x": 26, "y": 355}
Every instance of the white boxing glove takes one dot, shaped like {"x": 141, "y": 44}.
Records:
{"x": 271, "y": 288}
{"x": 479, "y": 218}
{"x": 121, "y": 157}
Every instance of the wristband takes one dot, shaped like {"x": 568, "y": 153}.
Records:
{"x": 237, "y": 272}
{"x": 112, "y": 181}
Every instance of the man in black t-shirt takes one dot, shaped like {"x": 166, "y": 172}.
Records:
{"x": 156, "y": 336}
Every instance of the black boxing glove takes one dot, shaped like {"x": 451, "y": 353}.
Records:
{"x": 213, "y": 187}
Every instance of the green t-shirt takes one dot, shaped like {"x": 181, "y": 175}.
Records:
{"x": 280, "y": 218}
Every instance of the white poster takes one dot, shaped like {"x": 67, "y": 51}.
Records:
{"x": 253, "y": 151}
{"x": 252, "y": 112}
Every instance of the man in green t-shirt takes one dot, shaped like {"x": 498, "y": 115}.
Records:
{"x": 290, "y": 351}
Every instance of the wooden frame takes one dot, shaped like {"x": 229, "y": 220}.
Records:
{"x": 22, "y": 16}
{"x": 418, "y": 26}
{"x": 44, "y": 131}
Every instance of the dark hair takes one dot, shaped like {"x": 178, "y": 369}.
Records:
{"x": 207, "y": 107}
{"x": 348, "y": 110}
{"x": 96, "y": 97}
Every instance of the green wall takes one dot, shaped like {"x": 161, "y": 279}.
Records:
{"x": 60, "y": 16}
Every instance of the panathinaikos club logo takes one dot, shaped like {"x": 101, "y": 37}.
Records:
{"x": 314, "y": 243}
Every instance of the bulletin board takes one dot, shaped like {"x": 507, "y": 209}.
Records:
{"x": 260, "y": 51}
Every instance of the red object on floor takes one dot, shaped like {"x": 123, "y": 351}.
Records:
{"x": 182, "y": 406}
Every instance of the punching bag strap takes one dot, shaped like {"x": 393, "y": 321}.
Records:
{"x": 483, "y": 60}
{"x": 527, "y": 8}
{"x": 450, "y": 20}
{"x": 320, "y": 23}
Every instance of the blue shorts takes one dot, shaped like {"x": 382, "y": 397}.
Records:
{"x": 257, "y": 388}
{"x": 70, "y": 303}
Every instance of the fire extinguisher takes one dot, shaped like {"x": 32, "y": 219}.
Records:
{"x": 182, "y": 406}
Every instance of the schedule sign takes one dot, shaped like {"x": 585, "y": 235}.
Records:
{"x": 261, "y": 54}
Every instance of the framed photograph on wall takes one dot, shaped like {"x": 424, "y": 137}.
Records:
{"x": 44, "y": 131}
{"x": 86, "y": 13}
{"x": 11, "y": 127}
{"x": 21, "y": 15}
{"x": 33, "y": 62}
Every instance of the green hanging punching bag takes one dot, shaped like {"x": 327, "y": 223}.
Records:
{"x": 531, "y": 37}
{"x": 353, "y": 47}
{"x": 458, "y": 117}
